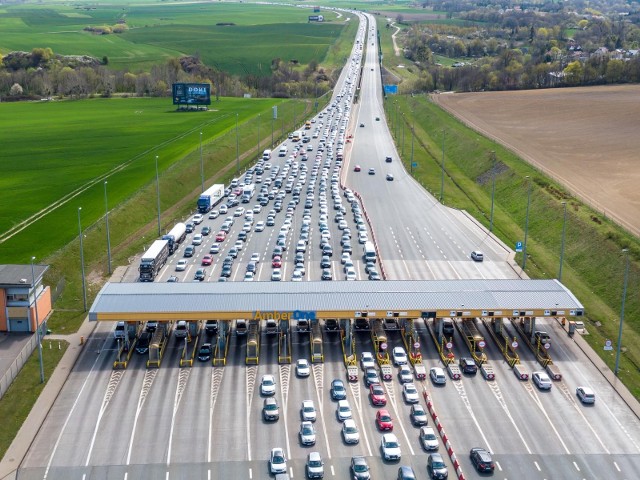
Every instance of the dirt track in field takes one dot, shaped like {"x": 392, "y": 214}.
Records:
{"x": 586, "y": 138}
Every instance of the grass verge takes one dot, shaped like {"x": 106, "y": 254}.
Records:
{"x": 25, "y": 389}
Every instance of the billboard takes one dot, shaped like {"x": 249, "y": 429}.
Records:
{"x": 191, "y": 94}
{"x": 316, "y": 18}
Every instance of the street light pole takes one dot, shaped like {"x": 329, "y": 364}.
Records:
{"x": 237, "y": 147}
{"x": 526, "y": 225}
{"x": 38, "y": 332}
{"x": 84, "y": 283}
{"x": 106, "y": 218}
{"x": 272, "y": 120}
{"x": 442, "y": 174}
{"x": 493, "y": 189}
{"x": 158, "y": 193}
{"x": 624, "y": 296}
{"x": 413, "y": 124}
{"x": 259, "y": 134}
{"x": 564, "y": 229}
{"x": 403, "y": 122}
{"x": 201, "y": 164}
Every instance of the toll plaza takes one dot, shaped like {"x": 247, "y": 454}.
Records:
{"x": 507, "y": 309}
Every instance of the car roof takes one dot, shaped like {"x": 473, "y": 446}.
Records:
{"x": 389, "y": 437}
{"x": 314, "y": 456}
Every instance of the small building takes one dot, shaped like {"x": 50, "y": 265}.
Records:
{"x": 23, "y": 298}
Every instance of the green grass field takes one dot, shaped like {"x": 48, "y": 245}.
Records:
{"x": 156, "y": 32}
{"x": 74, "y": 146}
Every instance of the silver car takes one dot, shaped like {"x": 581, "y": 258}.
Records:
{"x": 350, "y": 432}
{"x": 308, "y": 411}
{"x": 307, "y": 434}
{"x": 542, "y": 380}
{"x": 428, "y": 439}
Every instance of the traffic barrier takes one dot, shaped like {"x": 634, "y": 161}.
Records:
{"x": 487, "y": 371}
{"x": 454, "y": 371}
{"x": 554, "y": 372}
{"x": 520, "y": 372}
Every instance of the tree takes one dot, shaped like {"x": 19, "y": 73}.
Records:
{"x": 573, "y": 73}
{"x": 615, "y": 71}
{"x": 16, "y": 90}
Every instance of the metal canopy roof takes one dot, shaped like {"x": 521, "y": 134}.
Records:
{"x": 405, "y": 298}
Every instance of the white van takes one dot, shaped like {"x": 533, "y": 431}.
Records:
{"x": 181, "y": 329}
{"x": 283, "y": 151}
{"x": 266, "y": 155}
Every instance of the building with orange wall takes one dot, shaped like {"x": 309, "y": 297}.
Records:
{"x": 24, "y": 301}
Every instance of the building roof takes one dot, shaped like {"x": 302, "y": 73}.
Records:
{"x": 405, "y": 298}
{"x": 20, "y": 275}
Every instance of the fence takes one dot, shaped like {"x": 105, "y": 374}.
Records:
{"x": 15, "y": 367}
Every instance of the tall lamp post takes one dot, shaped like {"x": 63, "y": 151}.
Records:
{"x": 403, "y": 122}
{"x": 442, "y": 170}
{"x": 106, "y": 219}
{"x": 258, "y": 134}
{"x": 624, "y": 297}
{"x": 526, "y": 225}
{"x": 564, "y": 230}
{"x": 38, "y": 332}
{"x": 237, "y": 147}
{"x": 158, "y": 193}
{"x": 413, "y": 124}
{"x": 493, "y": 188}
{"x": 201, "y": 164}
{"x": 84, "y": 283}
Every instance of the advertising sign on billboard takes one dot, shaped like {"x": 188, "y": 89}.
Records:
{"x": 191, "y": 94}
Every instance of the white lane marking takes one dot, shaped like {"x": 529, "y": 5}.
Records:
{"x": 291, "y": 472}
{"x": 66, "y": 422}
{"x": 250, "y": 473}
{"x": 147, "y": 381}
{"x": 318, "y": 384}
{"x": 616, "y": 465}
{"x": 167, "y": 476}
{"x": 252, "y": 374}
{"x": 495, "y": 389}
{"x": 183, "y": 377}
{"x": 209, "y": 474}
{"x": 576, "y": 465}
{"x": 216, "y": 379}
{"x": 463, "y": 395}
{"x": 498, "y": 465}
{"x": 537, "y": 466}
{"x": 537, "y": 401}
{"x": 285, "y": 375}
{"x": 333, "y": 472}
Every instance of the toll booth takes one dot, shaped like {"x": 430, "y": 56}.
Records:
{"x": 540, "y": 346}
{"x": 222, "y": 344}
{"x": 411, "y": 340}
{"x": 253, "y": 342}
{"x": 473, "y": 339}
{"x": 284, "y": 342}
{"x": 379, "y": 338}
{"x": 317, "y": 355}
{"x": 158, "y": 344}
{"x": 443, "y": 345}
{"x": 190, "y": 348}
{"x": 127, "y": 345}
{"x": 503, "y": 338}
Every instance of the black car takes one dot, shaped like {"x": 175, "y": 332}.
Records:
{"x": 406, "y": 473}
{"x": 142, "y": 345}
{"x": 373, "y": 275}
{"x": 200, "y": 274}
{"x": 468, "y": 365}
{"x": 242, "y": 235}
{"x": 189, "y": 251}
{"x": 338, "y": 392}
{"x": 325, "y": 262}
{"x": 226, "y": 271}
{"x": 211, "y": 327}
{"x": 327, "y": 250}
{"x": 359, "y": 468}
{"x": 482, "y": 460}
{"x": 388, "y": 159}
{"x": 436, "y": 467}
{"x": 205, "y": 231}
{"x": 326, "y": 274}
{"x": 190, "y": 227}
{"x": 205, "y": 352}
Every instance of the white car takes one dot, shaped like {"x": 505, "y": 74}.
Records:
{"x": 260, "y": 226}
{"x": 277, "y": 461}
{"x": 223, "y": 209}
{"x": 437, "y": 376}
{"x": 198, "y": 218}
{"x": 255, "y": 257}
{"x": 586, "y": 394}
{"x": 197, "y": 239}
{"x": 477, "y": 255}
{"x": 350, "y": 432}
{"x": 215, "y": 248}
{"x": 302, "y": 367}
{"x": 428, "y": 439}
{"x": 399, "y": 356}
{"x": 248, "y": 277}
{"x": 307, "y": 433}
{"x": 276, "y": 275}
{"x": 410, "y": 393}
{"x": 367, "y": 360}
{"x": 296, "y": 276}
{"x": 308, "y": 411}
{"x": 239, "y": 212}
{"x": 343, "y": 411}
{"x": 182, "y": 265}
{"x": 390, "y": 447}
{"x": 404, "y": 374}
{"x": 542, "y": 380}
{"x": 213, "y": 214}
{"x": 268, "y": 385}
{"x": 351, "y": 275}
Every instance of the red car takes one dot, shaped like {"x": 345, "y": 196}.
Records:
{"x": 207, "y": 260}
{"x": 276, "y": 262}
{"x": 383, "y": 420}
{"x": 220, "y": 236}
{"x": 377, "y": 396}
{"x": 356, "y": 168}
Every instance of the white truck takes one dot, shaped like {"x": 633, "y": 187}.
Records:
{"x": 369, "y": 252}
{"x": 247, "y": 192}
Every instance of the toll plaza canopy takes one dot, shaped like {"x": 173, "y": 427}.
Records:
{"x": 337, "y": 299}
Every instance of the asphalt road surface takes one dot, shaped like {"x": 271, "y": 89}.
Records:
{"x": 206, "y": 422}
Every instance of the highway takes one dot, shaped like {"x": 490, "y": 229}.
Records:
{"x": 206, "y": 423}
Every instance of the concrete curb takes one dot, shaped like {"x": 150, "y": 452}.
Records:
{"x": 18, "y": 449}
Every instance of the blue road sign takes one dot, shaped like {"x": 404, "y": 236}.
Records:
{"x": 518, "y": 246}
{"x": 304, "y": 315}
{"x": 391, "y": 89}
{"x": 414, "y": 164}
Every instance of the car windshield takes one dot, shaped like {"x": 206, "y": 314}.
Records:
{"x": 315, "y": 463}
{"x": 344, "y": 409}
{"x": 385, "y": 418}
{"x": 438, "y": 464}
{"x": 411, "y": 389}
{"x": 360, "y": 467}
{"x": 307, "y": 430}
{"x": 350, "y": 429}
{"x": 267, "y": 382}
{"x": 391, "y": 445}
{"x": 278, "y": 459}
{"x": 309, "y": 409}
{"x": 271, "y": 406}
{"x": 378, "y": 391}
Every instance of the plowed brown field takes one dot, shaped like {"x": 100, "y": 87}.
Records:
{"x": 586, "y": 138}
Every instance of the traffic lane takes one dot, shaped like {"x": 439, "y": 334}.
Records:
{"x": 77, "y": 406}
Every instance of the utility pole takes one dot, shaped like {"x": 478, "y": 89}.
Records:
{"x": 526, "y": 226}
{"x": 493, "y": 188}
{"x": 442, "y": 174}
